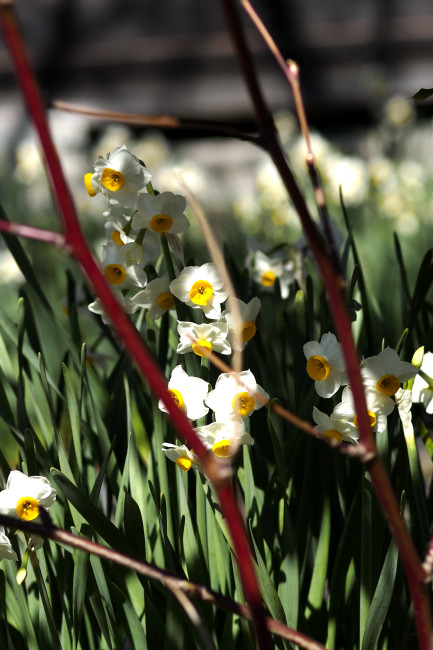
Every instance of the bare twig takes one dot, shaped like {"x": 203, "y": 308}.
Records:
{"x": 162, "y": 122}
{"x": 335, "y": 289}
{"x": 171, "y": 581}
{"x": 219, "y": 473}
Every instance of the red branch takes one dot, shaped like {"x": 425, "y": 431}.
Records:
{"x": 219, "y": 473}
{"x": 334, "y": 284}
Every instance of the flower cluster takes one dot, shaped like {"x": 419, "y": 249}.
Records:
{"x": 23, "y": 498}
{"x": 235, "y": 397}
{"x": 135, "y": 221}
{"x": 139, "y": 223}
{"x": 382, "y": 376}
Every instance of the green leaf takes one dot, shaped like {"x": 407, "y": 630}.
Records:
{"x": 99, "y": 522}
{"x": 79, "y": 583}
{"x": 133, "y": 524}
{"x": 74, "y": 417}
{"x": 423, "y": 93}
{"x": 381, "y": 599}
{"x": 269, "y": 593}
{"x": 25, "y": 265}
{"x": 127, "y": 617}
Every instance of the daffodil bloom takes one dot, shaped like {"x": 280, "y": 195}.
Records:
{"x": 6, "y": 550}
{"x": 385, "y": 372}
{"x": 188, "y": 393}
{"x": 200, "y": 287}
{"x": 325, "y": 364}
{"x": 25, "y": 495}
{"x": 248, "y": 313}
{"x": 421, "y": 390}
{"x": 334, "y": 428}
{"x": 235, "y": 394}
{"x": 128, "y": 306}
{"x": 224, "y": 437}
{"x": 379, "y": 406}
{"x": 156, "y": 297}
{"x": 182, "y": 456}
{"x": 117, "y": 271}
{"x": 120, "y": 176}
{"x": 203, "y": 339}
{"x": 267, "y": 270}
{"x": 161, "y": 213}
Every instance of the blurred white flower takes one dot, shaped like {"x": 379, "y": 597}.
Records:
{"x": 128, "y": 306}
{"x": 349, "y": 173}
{"x": 203, "y": 339}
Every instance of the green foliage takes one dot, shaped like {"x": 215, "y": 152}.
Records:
{"x": 322, "y": 551}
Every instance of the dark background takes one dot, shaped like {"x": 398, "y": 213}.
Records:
{"x": 174, "y": 56}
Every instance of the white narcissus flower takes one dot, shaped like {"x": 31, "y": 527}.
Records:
{"x": 385, "y": 372}
{"x": 128, "y": 306}
{"x": 24, "y": 495}
{"x": 6, "y": 550}
{"x": 116, "y": 270}
{"x": 421, "y": 390}
{"x": 378, "y": 408}
{"x": 335, "y": 429}
{"x": 182, "y": 456}
{"x": 325, "y": 364}
{"x": 188, "y": 393}
{"x": 161, "y": 213}
{"x": 248, "y": 313}
{"x": 224, "y": 437}
{"x": 203, "y": 339}
{"x": 156, "y": 297}
{"x": 265, "y": 271}
{"x": 200, "y": 287}
{"x": 120, "y": 176}
{"x": 235, "y": 394}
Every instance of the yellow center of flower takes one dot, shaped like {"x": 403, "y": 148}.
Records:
{"x": 115, "y": 273}
{"x": 249, "y": 330}
{"x": 115, "y": 236}
{"x": 243, "y": 403}
{"x": 161, "y": 223}
{"x": 176, "y": 397}
{"x": 165, "y": 301}
{"x": 184, "y": 463}
{"x": 372, "y": 419}
{"x": 27, "y": 508}
{"x": 201, "y": 292}
{"x": 331, "y": 434}
{"x": 222, "y": 449}
{"x": 88, "y": 184}
{"x": 202, "y": 348}
{"x": 268, "y": 279}
{"x": 112, "y": 179}
{"x": 388, "y": 385}
{"x": 318, "y": 368}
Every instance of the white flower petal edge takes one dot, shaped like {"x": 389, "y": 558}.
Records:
{"x": 6, "y": 550}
